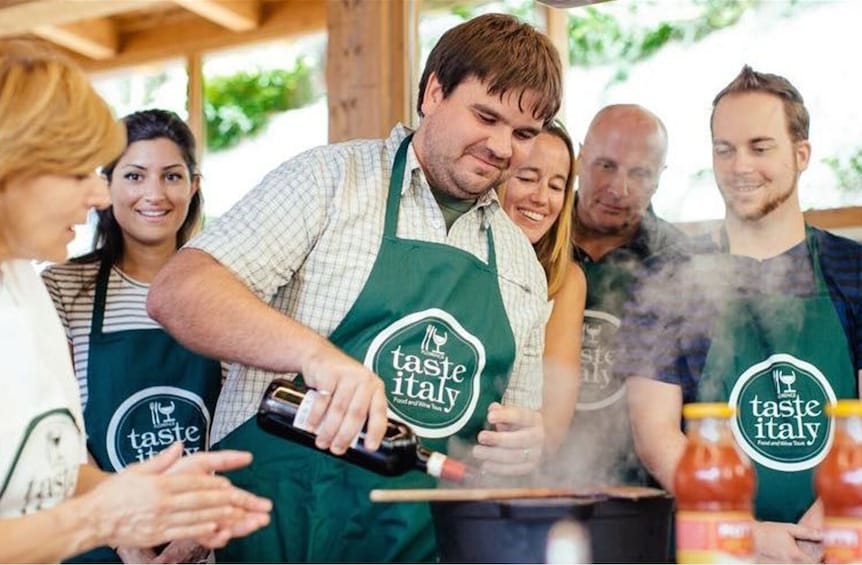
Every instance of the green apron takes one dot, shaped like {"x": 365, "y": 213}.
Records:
{"x": 430, "y": 321}
{"x": 601, "y": 408}
{"x": 146, "y": 391}
{"x": 779, "y": 360}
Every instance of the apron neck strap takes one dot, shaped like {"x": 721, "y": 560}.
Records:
{"x": 100, "y": 298}
{"x": 396, "y": 182}
{"x": 492, "y": 254}
{"x": 813, "y": 254}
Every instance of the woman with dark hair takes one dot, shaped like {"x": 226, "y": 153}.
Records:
{"x": 141, "y": 390}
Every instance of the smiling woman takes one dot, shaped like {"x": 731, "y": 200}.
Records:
{"x": 101, "y": 298}
{"x": 54, "y": 131}
{"x": 539, "y": 199}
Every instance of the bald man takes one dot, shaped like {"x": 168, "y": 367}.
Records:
{"x": 618, "y": 240}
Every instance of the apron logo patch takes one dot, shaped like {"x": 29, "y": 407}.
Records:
{"x": 781, "y": 421}
{"x": 599, "y": 388}
{"x": 154, "y": 418}
{"x": 432, "y": 367}
{"x": 45, "y": 470}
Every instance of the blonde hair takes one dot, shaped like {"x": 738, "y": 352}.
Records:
{"x": 52, "y": 121}
{"x": 554, "y": 248}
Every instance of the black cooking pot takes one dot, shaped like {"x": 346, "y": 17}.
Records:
{"x": 516, "y": 531}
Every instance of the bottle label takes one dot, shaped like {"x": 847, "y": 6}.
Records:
{"x": 842, "y": 540}
{"x": 303, "y": 414}
{"x": 714, "y": 537}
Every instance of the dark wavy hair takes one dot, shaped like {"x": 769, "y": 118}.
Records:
{"x": 144, "y": 126}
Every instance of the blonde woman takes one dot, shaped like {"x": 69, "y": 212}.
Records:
{"x": 54, "y": 132}
{"x": 539, "y": 198}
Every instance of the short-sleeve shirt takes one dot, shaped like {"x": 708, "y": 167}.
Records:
{"x": 41, "y": 425}
{"x": 305, "y": 240}
{"x": 667, "y": 332}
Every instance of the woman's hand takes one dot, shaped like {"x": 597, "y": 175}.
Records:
{"x": 514, "y": 447}
{"x": 183, "y": 551}
{"x": 171, "y": 498}
{"x": 180, "y": 551}
{"x": 776, "y": 542}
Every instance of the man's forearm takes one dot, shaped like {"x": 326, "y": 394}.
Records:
{"x": 209, "y": 310}
{"x": 661, "y": 462}
{"x": 654, "y": 410}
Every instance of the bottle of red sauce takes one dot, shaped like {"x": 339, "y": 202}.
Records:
{"x": 838, "y": 482}
{"x": 714, "y": 488}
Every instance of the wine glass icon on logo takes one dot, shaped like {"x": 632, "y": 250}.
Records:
{"x": 439, "y": 341}
{"x": 167, "y": 410}
{"x": 787, "y": 380}
{"x": 593, "y": 331}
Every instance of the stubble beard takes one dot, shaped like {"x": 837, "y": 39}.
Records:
{"x": 446, "y": 181}
{"x": 772, "y": 204}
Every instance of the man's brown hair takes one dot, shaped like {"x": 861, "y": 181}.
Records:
{"x": 749, "y": 80}
{"x": 502, "y": 52}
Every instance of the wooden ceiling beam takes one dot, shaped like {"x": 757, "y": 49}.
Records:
{"x": 96, "y": 38}
{"x": 235, "y": 15}
{"x": 20, "y": 18}
{"x": 279, "y": 20}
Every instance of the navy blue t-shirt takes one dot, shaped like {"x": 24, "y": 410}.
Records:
{"x": 666, "y": 333}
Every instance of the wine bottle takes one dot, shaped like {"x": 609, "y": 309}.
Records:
{"x": 284, "y": 412}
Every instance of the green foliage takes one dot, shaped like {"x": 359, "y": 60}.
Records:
{"x": 240, "y": 105}
{"x": 848, "y": 172}
{"x": 597, "y": 36}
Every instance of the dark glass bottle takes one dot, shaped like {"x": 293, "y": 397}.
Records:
{"x": 284, "y": 411}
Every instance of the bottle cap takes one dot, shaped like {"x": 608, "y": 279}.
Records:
{"x": 699, "y": 410}
{"x": 845, "y": 408}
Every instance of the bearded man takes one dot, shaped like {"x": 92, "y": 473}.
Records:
{"x": 765, "y": 315}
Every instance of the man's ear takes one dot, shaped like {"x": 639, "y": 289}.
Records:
{"x": 803, "y": 154}
{"x": 433, "y": 95}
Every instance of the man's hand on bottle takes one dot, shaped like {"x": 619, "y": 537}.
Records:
{"x": 514, "y": 445}
{"x": 349, "y": 395}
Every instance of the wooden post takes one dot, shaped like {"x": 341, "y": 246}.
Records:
{"x": 556, "y": 26}
{"x": 368, "y": 66}
{"x": 195, "y": 101}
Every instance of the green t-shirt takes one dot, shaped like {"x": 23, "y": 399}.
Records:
{"x": 452, "y": 208}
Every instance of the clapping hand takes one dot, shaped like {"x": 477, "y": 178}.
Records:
{"x": 170, "y": 498}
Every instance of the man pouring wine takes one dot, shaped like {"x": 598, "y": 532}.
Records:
{"x": 335, "y": 267}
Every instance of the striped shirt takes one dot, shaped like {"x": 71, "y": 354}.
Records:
{"x": 72, "y": 287}
{"x": 669, "y": 321}
{"x": 305, "y": 239}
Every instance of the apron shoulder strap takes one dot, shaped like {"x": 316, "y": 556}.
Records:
{"x": 100, "y": 298}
